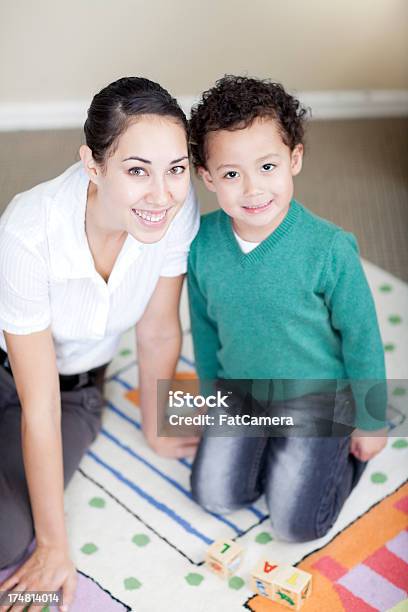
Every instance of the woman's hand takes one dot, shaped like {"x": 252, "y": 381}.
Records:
{"x": 33, "y": 361}
{"x": 173, "y": 448}
{"x": 365, "y": 445}
{"x": 47, "y": 569}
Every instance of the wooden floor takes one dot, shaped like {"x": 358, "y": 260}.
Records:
{"x": 355, "y": 174}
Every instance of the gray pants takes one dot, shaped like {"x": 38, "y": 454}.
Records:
{"x": 306, "y": 480}
{"x": 80, "y": 423}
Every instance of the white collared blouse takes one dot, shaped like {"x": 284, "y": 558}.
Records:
{"x": 48, "y": 276}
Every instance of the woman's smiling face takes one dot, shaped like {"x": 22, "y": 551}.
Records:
{"x": 144, "y": 183}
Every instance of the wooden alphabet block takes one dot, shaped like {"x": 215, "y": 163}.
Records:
{"x": 292, "y": 586}
{"x": 262, "y": 577}
{"x": 283, "y": 584}
{"x": 224, "y": 557}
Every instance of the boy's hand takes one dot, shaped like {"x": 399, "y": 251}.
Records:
{"x": 365, "y": 445}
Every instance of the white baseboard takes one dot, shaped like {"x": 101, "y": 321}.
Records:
{"x": 324, "y": 105}
{"x": 356, "y": 104}
{"x": 42, "y": 115}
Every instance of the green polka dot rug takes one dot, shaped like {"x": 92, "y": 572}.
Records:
{"x": 139, "y": 540}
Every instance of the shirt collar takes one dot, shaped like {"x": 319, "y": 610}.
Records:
{"x": 70, "y": 255}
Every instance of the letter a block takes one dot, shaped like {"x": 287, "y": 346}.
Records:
{"x": 262, "y": 578}
{"x": 223, "y": 557}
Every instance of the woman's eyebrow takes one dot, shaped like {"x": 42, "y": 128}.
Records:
{"x": 147, "y": 161}
{"x": 135, "y": 158}
{"x": 176, "y": 161}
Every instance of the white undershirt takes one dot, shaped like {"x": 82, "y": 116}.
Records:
{"x": 245, "y": 246}
{"x": 48, "y": 276}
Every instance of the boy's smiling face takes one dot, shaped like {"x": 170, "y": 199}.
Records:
{"x": 251, "y": 170}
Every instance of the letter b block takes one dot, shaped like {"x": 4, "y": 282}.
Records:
{"x": 224, "y": 557}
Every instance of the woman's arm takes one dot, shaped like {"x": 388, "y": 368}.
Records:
{"x": 158, "y": 335}
{"x": 33, "y": 362}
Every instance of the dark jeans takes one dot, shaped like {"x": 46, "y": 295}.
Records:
{"x": 80, "y": 423}
{"x": 306, "y": 480}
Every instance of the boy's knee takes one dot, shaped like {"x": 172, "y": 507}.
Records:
{"x": 302, "y": 524}
{"x": 217, "y": 483}
{"x": 297, "y": 532}
{"x": 214, "y": 496}
{"x": 208, "y": 498}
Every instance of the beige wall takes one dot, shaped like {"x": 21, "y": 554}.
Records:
{"x": 55, "y": 50}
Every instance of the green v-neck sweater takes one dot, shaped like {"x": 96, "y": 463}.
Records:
{"x": 296, "y": 307}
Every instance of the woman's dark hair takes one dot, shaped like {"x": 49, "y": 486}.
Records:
{"x": 117, "y": 104}
{"x": 234, "y": 102}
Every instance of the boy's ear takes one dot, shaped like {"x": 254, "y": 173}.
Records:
{"x": 296, "y": 159}
{"x": 207, "y": 179}
{"x": 91, "y": 167}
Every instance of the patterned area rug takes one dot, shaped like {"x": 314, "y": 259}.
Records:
{"x": 139, "y": 540}
{"x": 364, "y": 568}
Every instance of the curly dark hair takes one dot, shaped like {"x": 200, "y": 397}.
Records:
{"x": 234, "y": 102}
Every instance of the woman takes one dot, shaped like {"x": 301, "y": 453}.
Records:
{"x": 82, "y": 258}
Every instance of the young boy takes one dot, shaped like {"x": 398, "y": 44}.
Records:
{"x": 277, "y": 293}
